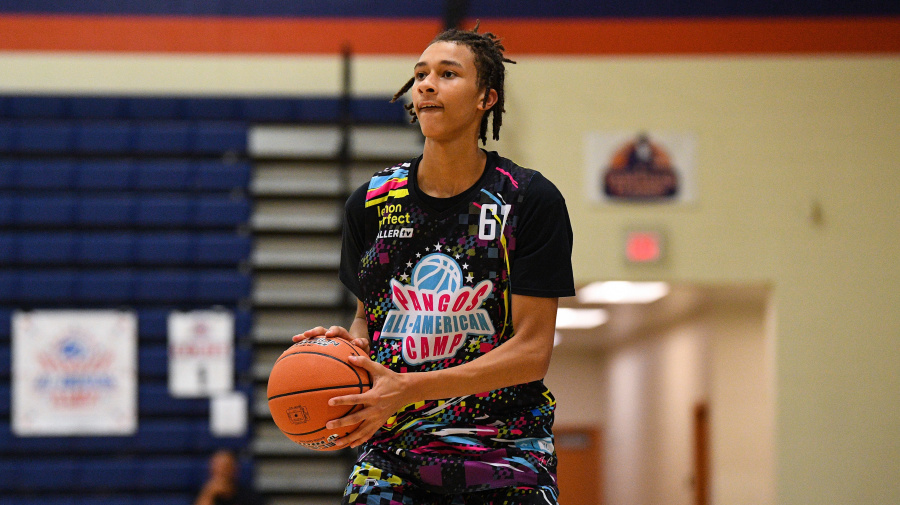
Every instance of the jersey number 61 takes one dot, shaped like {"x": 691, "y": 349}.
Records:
{"x": 487, "y": 223}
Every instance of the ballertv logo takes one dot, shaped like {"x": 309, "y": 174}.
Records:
{"x": 396, "y": 233}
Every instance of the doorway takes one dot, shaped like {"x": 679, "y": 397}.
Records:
{"x": 681, "y": 390}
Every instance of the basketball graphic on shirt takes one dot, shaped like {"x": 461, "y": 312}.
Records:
{"x": 437, "y": 272}
{"x": 435, "y": 314}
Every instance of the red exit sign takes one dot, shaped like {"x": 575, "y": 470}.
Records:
{"x": 643, "y": 246}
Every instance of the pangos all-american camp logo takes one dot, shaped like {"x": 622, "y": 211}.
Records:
{"x": 435, "y": 314}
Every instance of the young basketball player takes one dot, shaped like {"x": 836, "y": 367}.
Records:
{"x": 457, "y": 257}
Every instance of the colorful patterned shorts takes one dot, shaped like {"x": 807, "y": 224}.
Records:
{"x": 370, "y": 485}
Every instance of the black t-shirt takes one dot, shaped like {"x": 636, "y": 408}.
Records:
{"x": 542, "y": 266}
{"x": 437, "y": 278}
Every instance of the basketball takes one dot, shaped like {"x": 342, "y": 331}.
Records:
{"x": 437, "y": 272}
{"x": 304, "y": 378}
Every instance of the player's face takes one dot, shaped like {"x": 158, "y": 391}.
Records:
{"x": 445, "y": 95}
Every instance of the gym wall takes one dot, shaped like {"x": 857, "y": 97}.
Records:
{"x": 796, "y": 163}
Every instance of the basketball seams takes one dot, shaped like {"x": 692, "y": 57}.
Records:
{"x": 342, "y": 343}
{"x": 330, "y": 356}
{"x": 360, "y": 386}
{"x": 300, "y": 350}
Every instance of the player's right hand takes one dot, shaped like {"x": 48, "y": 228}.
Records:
{"x": 333, "y": 332}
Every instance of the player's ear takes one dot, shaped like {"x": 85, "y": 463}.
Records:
{"x": 491, "y": 100}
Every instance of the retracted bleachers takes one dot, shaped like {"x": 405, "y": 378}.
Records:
{"x": 147, "y": 203}
{"x": 303, "y": 174}
{"x": 138, "y": 202}
{"x": 118, "y": 248}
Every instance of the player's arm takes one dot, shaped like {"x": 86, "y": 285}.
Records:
{"x": 523, "y": 358}
{"x": 358, "y": 334}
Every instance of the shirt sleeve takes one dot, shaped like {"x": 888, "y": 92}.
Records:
{"x": 542, "y": 259}
{"x": 353, "y": 239}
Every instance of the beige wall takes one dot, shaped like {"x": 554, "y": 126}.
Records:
{"x": 741, "y": 403}
{"x": 776, "y": 136}
{"x": 653, "y": 385}
{"x": 577, "y": 381}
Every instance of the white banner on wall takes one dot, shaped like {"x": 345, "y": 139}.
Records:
{"x": 228, "y": 414}
{"x": 640, "y": 167}
{"x": 74, "y": 373}
{"x": 201, "y": 353}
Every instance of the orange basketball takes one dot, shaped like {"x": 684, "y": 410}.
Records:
{"x": 304, "y": 378}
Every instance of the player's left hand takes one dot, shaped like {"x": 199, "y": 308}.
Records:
{"x": 333, "y": 332}
{"x": 389, "y": 394}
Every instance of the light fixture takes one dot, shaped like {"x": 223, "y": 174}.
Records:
{"x": 623, "y": 292}
{"x": 579, "y": 319}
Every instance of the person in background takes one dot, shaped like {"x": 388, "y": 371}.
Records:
{"x": 222, "y": 487}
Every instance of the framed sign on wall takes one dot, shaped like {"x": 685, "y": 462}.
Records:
{"x": 640, "y": 167}
{"x": 74, "y": 373}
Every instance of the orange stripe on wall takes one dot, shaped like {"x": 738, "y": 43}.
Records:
{"x": 696, "y": 36}
{"x": 410, "y": 36}
{"x": 214, "y": 35}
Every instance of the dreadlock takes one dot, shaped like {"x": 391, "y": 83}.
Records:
{"x": 489, "y": 62}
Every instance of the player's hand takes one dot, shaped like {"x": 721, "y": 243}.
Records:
{"x": 333, "y": 332}
{"x": 388, "y": 395}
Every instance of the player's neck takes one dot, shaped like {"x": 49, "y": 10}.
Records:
{"x": 449, "y": 168}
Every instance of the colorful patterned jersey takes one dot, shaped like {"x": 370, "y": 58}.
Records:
{"x": 436, "y": 289}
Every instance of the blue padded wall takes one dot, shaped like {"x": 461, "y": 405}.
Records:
{"x": 138, "y": 202}
{"x": 111, "y": 202}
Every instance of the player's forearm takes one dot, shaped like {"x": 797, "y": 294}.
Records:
{"x": 523, "y": 358}
{"x": 359, "y": 328}
{"x": 518, "y": 361}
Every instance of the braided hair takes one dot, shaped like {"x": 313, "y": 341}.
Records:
{"x": 489, "y": 60}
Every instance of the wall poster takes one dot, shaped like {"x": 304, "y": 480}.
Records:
{"x": 201, "y": 353}
{"x": 74, "y": 373}
{"x": 640, "y": 167}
